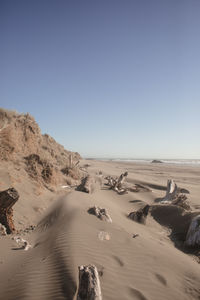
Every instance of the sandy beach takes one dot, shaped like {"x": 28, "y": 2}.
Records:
{"x": 134, "y": 261}
{"x": 99, "y": 150}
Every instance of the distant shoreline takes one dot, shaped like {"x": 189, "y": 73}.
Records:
{"x": 190, "y": 162}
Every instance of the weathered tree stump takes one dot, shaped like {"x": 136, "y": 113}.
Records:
{"x": 87, "y": 184}
{"x": 140, "y": 215}
{"x": 100, "y": 213}
{"x": 171, "y": 191}
{"x": 7, "y": 199}
{"x": 193, "y": 234}
{"x": 173, "y": 196}
{"x": 89, "y": 283}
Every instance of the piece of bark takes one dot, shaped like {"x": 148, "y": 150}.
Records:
{"x": 7, "y": 199}
{"x": 193, "y": 234}
{"x": 171, "y": 191}
{"x": 87, "y": 184}
{"x": 89, "y": 283}
{"x": 100, "y": 213}
{"x": 140, "y": 215}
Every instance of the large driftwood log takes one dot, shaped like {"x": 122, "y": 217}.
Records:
{"x": 89, "y": 283}
{"x": 7, "y": 199}
{"x": 193, "y": 234}
{"x": 87, "y": 184}
{"x": 116, "y": 183}
{"x": 100, "y": 213}
{"x": 171, "y": 191}
{"x": 140, "y": 215}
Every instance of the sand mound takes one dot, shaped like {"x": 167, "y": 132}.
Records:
{"x": 145, "y": 267}
{"x": 32, "y": 163}
{"x": 134, "y": 261}
{"x": 174, "y": 217}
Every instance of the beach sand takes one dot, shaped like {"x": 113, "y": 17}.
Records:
{"x": 149, "y": 266}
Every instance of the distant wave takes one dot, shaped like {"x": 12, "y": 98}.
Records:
{"x": 167, "y": 161}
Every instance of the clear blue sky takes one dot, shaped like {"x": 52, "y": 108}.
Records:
{"x": 106, "y": 78}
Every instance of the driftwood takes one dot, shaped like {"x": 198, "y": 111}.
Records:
{"x": 89, "y": 283}
{"x": 111, "y": 181}
{"x": 23, "y": 243}
{"x": 2, "y": 230}
{"x": 72, "y": 164}
{"x": 100, "y": 213}
{"x": 72, "y": 169}
{"x": 140, "y": 215}
{"x": 181, "y": 200}
{"x": 87, "y": 184}
{"x": 193, "y": 234}
{"x": 171, "y": 191}
{"x": 7, "y": 199}
{"x": 139, "y": 187}
{"x": 173, "y": 196}
{"x": 135, "y": 235}
{"x": 116, "y": 183}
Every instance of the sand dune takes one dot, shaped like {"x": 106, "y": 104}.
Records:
{"x": 148, "y": 266}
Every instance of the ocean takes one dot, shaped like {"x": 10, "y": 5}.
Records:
{"x": 191, "y": 162}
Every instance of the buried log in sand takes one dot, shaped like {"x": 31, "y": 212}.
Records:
{"x": 100, "y": 213}
{"x": 193, "y": 234}
{"x": 140, "y": 215}
{"x": 7, "y": 199}
{"x": 87, "y": 184}
{"x": 89, "y": 283}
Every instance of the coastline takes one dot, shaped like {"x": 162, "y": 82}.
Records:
{"x": 190, "y": 162}
{"x": 135, "y": 261}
